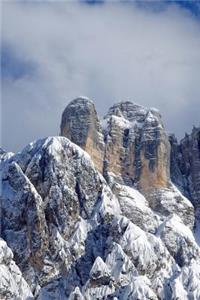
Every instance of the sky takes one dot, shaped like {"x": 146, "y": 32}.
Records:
{"x": 110, "y": 51}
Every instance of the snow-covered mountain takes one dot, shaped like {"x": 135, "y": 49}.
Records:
{"x": 99, "y": 212}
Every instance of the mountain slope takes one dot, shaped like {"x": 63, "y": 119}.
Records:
{"x": 77, "y": 233}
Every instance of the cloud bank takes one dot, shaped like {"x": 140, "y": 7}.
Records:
{"x": 53, "y": 52}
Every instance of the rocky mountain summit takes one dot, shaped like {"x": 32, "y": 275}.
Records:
{"x": 131, "y": 136}
{"x": 108, "y": 210}
{"x": 135, "y": 152}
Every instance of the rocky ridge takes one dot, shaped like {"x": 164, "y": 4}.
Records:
{"x": 85, "y": 226}
{"x": 136, "y": 152}
{"x": 185, "y": 165}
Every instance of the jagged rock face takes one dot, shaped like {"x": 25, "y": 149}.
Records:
{"x": 73, "y": 238}
{"x": 175, "y": 157}
{"x": 46, "y": 190}
{"x": 23, "y": 224}
{"x": 125, "y": 234}
{"x": 12, "y": 284}
{"x": 136, "y": 146}
{"x": 136, "y": 153}
{"x": 185, "y": 165}
{"x": 81, "y": 125}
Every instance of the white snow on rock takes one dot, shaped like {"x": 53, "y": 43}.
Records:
{"x": 144, "y": 248}
{"x": 12, "y": 284}
{"x": 76, "y": 295}
{"x": 139, "y": 289}
{"x": 75, "y": 238}
{"x": 99, "y": 269}
{"x": 187, "y": 284}
{"x": 135, "y": 207}
{"x": 166, "y": 201}
{"x": 121, "y": 266}
{"x": 107, "y": 206}
{"x": 179, "y": 240}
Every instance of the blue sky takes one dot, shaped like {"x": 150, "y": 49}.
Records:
{"x": 143, "y": 51}
{"x": 192, "y": 6}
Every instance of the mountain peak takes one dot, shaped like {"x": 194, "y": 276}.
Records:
{"x": 81, "y": 100}
{"x": 114, "y": 149}
{"x": 129, "y": 110}
{"x": 80, "y": 123}
{"x": 93, "y": 214}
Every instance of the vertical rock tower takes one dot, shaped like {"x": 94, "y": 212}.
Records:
{"x": 130, "y": 145}
{"x": 81, "y": 125}
{"x": 136, "y": 146}
{"x": 185, "y": 165}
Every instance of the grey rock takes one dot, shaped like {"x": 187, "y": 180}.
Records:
{"x": 12, "y": 284}
{"x": 185, "y": 165}
{"x": 123, "y": 233}
{"x": 136, "y": 153}
{"x": 46, "y": 190}
{"x": 81, "y": 125}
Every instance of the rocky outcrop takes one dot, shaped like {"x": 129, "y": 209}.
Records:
{"x": 74, "y": 238}
{"x": 81, "y": 125}
{"x": 136, "y": 153}
{"x": 23, "y": 225}
{"x": 46, "y": 190}
{"x": 136, "y": 149}
{"x": 12, "y": 283}
{"x": 185, "y": 165}
{"x": 123, "y": 233}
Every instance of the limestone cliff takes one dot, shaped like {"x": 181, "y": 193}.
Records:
{"x": 135, "y": 150}
{"x": 136, "y": 146}
{"x": 81, "y": 125}
{"x": 185, "y": 165}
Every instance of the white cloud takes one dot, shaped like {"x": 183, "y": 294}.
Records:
{"x": 109, "y": 52}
